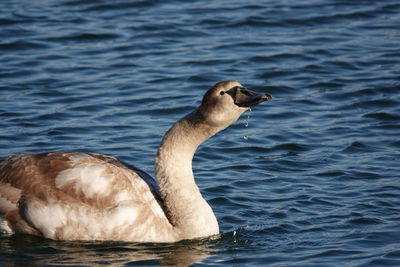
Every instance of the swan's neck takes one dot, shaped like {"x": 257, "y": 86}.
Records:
{"x": 186, "y": 209}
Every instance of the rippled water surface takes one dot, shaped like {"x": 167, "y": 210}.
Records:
{"x": 312, "y": 181}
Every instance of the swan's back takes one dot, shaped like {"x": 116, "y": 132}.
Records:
{"x": 89, "y": 196}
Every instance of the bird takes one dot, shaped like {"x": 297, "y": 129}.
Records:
{"x": 90, "y": 196}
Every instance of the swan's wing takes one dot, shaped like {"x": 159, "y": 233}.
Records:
{"x": 78, "y": 196}
{"x": 151, "y": 182}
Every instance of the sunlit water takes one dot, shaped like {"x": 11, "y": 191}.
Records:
{"x": 312, "y": 181}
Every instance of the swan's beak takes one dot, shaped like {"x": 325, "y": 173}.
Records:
{"x": 246, "y": 98}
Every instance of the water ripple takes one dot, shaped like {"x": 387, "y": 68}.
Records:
{"x": 312, "y": 179}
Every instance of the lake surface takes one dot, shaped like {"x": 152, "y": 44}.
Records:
{"x": 313, "y": 180}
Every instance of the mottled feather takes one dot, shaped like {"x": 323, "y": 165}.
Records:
{"x": 68, "y": 193}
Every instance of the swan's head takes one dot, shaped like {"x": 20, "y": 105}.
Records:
{"x": 223, "y": 104}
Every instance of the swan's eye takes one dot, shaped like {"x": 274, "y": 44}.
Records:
{"x": 222, "y": 93}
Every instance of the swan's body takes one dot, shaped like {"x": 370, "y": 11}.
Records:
{"x": 87, "y": 196}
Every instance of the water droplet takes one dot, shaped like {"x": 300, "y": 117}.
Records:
{"x": 246, "y": 122}
{"x": 234, "y": 241}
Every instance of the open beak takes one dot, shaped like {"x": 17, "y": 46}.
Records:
{"x": 246, "y": 98}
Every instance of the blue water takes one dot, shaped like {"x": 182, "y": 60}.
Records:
{"x": 312, "y": 181}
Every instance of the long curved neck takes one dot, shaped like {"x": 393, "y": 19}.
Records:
{"x": 186, "y": 209}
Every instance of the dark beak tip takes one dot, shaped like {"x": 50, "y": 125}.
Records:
{"x": 266, "y": 97}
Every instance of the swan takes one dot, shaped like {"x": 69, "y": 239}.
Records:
{"x": 89, "y": 196}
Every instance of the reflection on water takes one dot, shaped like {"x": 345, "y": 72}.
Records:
{"x": 34, "y": 251}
